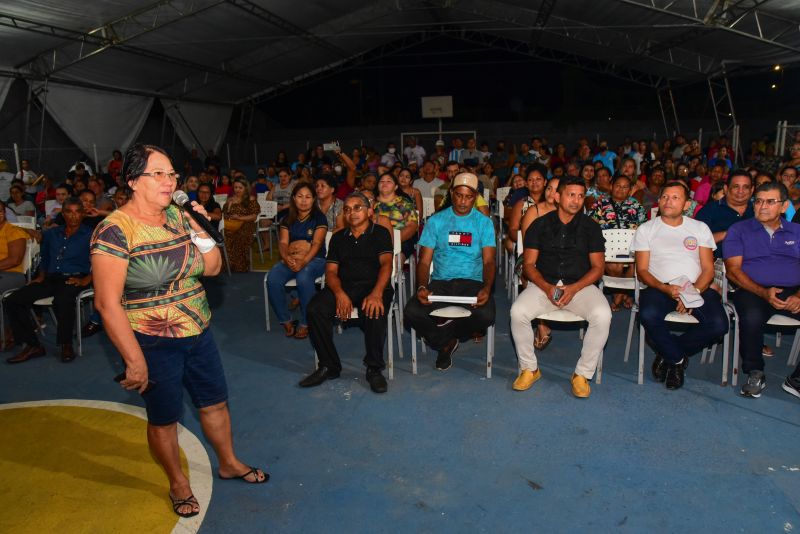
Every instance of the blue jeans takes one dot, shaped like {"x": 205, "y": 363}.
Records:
{"x": 276, "y": 282}
{"x": 654, "y": 305}
{"x": 175, "y": 363}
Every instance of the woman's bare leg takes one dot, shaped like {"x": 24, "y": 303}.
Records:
{"x": 163, "y": 441}
{"x": 216, "y": 423}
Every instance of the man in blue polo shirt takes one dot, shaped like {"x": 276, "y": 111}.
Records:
{"x": 762, "y": 256}
{"x": 735, "y": 206}
{"x": 460, "y": 242}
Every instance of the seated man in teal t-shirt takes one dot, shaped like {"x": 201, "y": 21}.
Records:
{"x": 460, "y": 242}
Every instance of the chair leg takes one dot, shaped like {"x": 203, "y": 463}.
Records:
{"x": 778, "y": 339}
{"x": 390, "y": 344}
{"x": 413, "y": 351}
{"x": 640, "y": 379}
{"x": 631, "y": 325}
{"x": 725, "y": 346}
{"x": 600, "y": 368}
{"x": 258, "y": 240}
{"x": 399, "y": 327}
{"x": 704, "y": 356}
{"x": 266, "y": 300}
{"x": 78, "y": 322}
{"x": 270, "y": 244}
{"x": 489, "y": 350}
{"x": 735, "y": 356}
{"x": 793, "y": 350}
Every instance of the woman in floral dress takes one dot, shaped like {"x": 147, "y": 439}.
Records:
{"x": 240, "y": 213}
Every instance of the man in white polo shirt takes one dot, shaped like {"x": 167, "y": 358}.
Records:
{"x": 667, "y": 248}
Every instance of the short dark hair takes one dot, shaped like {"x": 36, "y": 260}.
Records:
{"x": 604, "y": 169}
{"x": 571, "y": 180}
{"x": 72, "y": 201}
{"x": 740, "y": 172}
{"x": 328, "y": 179}
{"x": 360, "y": 196}
{"x": 774, "y": 186}
{"x": 621, "y": 177}
{"x": 536, "y": 167}
{"x": 675, "y": 183}
{"x": 89, "y": 192}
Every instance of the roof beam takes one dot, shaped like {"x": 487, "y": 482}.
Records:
{"x": 521, "y": 18}
{"x": 336, "y": 67}
{"x": 726, "y": 19}
{"x": 555, "y": 56}
{"x": 82, "y": 46}
{"x": 280, "y": 22}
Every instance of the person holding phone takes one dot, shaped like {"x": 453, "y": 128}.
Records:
{"x": 147, "y": 260}
{"x": 564, "y": 255}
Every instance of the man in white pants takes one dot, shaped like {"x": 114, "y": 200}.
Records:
{"x": 564, "y": 256}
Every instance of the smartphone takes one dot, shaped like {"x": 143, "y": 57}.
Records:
{"x": 120, "y": 377}
{"x": 330, "y": 147}
{"x": 557, "y": 294}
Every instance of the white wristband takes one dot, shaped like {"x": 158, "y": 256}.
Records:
{"x": 204, "y": 244}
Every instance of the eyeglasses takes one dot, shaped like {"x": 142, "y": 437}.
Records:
{"x": 358, "y": 208}
{"x": 768, "y": 201}
{"x": 160, "y": 175}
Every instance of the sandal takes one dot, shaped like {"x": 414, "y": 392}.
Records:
{"x": 188, "y": 501}
{"x": 288, "y": 329}
{"x": 255, "y": 471}
{"x": 301, "y": 332}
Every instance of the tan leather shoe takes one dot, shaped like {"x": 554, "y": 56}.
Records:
{"x": 580, "y": 386}
{"x": 526, "y": 379}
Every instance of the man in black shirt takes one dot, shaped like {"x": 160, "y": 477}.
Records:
{"x": 564, "y": 256}
{"x": 358, "y": 269}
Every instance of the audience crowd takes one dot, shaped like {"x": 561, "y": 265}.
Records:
{"x": 691, "y": 207}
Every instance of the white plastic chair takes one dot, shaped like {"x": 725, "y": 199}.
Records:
{"x": 454, "y": 312}
{"x": 79, "y": 300}
{"x": 27, "y": 263}
{"x": 428, "y": 207}
{"x": 566, "y": 316}
{"x": 618, "y": 250}
{"x": 220, "y": 199}
{"x": 778, "y": 321}
{"x": 320, "y": 280}
{"x": 269, "y": 211}
{"x": 685, "y": 318}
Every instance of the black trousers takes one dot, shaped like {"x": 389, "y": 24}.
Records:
{"x": 20, "y": 302}
{"x": 321, "y": 314}
{"x": 754, "y": 312}
{"x": 418, "y": 316}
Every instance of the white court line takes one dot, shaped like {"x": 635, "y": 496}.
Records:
{"x": 196, "y": 456}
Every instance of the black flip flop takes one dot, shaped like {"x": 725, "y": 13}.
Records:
{"x": 253, "y": 471}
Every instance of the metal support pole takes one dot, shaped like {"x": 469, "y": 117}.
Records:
{"x": 28, "y": 117}
{"x": 255, "y": 154}
{"x": 674, "y": 109}
{"x": 714, "y": 105}
{"x": 163, "y": 127}
{"x": 39, "y": 163}
{"x": 663, "y": 115}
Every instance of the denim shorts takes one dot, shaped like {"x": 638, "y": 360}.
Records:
{"x": 177, "y": 362}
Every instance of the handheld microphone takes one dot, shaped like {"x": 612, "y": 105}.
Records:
{"x": 182, "y": 199}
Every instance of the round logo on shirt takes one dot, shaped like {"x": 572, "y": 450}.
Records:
{"x": 690, "y": 243}
{"x": 310, "y": 232}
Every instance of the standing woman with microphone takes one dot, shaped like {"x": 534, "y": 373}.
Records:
{"x": 147, "y": 260}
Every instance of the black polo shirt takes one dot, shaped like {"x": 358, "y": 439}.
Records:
{"x": 564, "y": 248}
{"x": 359, "y": 259}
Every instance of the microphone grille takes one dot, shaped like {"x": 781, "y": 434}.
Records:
{"x": 179, "y": 197}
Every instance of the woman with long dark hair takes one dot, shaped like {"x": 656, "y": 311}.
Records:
{"x": 147, "y": 260}
{"x": 301, "y": 244}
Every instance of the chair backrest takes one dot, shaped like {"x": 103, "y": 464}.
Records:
{"x": 48, "y": 205}
{"x": 220, "y": 199}
{"x": 27, "y": 259}
{"x": 618, "y": 243}
{"x": 502, "y": 193}
{"x": 428, "y": 207}
{"x": 261, "y": 196}
{"x": 26, "y": 221}
{"x": 487, "y": 194}
{"x": 269, "y": 209}
{"x": 520, "y": 245}
{"x": 396, "y": 257}
{"x": 720, "y": 279}
{"x": 653, "y": 212}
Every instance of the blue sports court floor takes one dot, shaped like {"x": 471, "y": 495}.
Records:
{"x": 456, "y": 452}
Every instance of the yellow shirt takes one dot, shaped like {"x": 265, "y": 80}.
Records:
{"x": 9, "y": 233}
